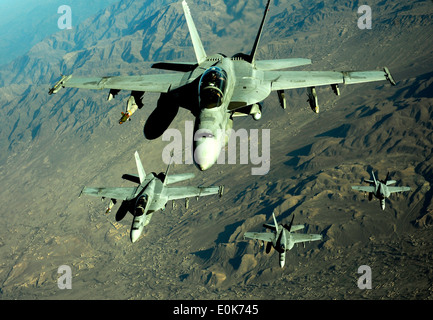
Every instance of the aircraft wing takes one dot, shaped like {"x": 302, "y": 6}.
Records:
{"x": 299, "y": 237}
{"x": 146, "y": 83}
{"x": 264, "y": 236}
{"x": 363, "y": 188}
{"x": 126, "y": 193}
{"x": 281, "y": 80}
{"x": 398, "y": 189}
{"x": 174, "y": 193}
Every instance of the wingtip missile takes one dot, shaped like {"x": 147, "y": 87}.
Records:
{"x": 389, "y": 76}
{"x": 59, "y": 84}
{"x": 124, "y": 118}
{"x": 220, "y": 191}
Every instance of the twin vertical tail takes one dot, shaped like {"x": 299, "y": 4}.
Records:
{"x": 141, "y": 172}
{"x": 374, "y": 178}
{"x": 275, "y": 222}
{"x": 289, "y": 227}
{"x": 196, "y": 42}
{"x": 256, "y": 42}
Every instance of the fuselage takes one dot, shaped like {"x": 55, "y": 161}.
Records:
{"x": 381, "y": 192}
{"x": 282, "y": 243}
{"x": 214, "y": 93}
{"x": 229, "y": 84}
{"x": 149, "y": 200}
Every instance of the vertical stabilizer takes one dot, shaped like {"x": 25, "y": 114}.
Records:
{"x": 254, "y": 49}
{"x": 196, "y": 42}
{"x": 141, "y": 172}
{"x": 374, "y": 178}
{"x": 275, "y": 222}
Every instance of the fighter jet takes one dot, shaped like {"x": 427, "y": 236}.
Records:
{"x": 282, "y": 238}
{"x": 216, "y": 88}
{"x": 151, "y": 194}
{"x": 380, "y": 189}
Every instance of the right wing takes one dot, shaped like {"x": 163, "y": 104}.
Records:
{"x": 264, "y": 236}
{"x": 126, "y": 193}
{"x": 147, "y": 83}
{"x": 174, "y": 193}
{"x": 363, "y": 188}
{"x": 299, "y": 237}
{"x": 398, "y": 189}
{"x": 281, "y": 80}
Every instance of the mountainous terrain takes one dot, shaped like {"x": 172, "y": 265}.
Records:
{"x": 53, "y": 146}
{"x": 32, "y": 21}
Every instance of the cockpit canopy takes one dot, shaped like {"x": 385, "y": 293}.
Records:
{"x": 141, "y": 205}
{"x": 211, "y": 88}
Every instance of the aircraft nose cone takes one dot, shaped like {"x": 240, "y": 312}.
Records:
{"x": 135, "y": 234}
{"x": 282, "y": 263}
{"x": 204, "y": 166}
{"x": 206, "y": 153}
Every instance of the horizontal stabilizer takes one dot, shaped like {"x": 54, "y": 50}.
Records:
{"x": 175, "y": 66}
{"x": 178, "y": 177}
{"x": 131, "y": 177}
{"x": 389, "y": 182}
{"x": 281, "y": 63}
{"x": 297, "y": 227}
{"x": 269, "y": 226}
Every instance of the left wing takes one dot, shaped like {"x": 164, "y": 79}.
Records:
{"x": 126, "y": 193}
{"x": 264, "y": 236}
{"x": 174, "y": 193}
{"x": 281, "y": 80}
{"x": 398, "y": 189}
{"x": 148, "y": 83}
{"x": 363, "y": 188}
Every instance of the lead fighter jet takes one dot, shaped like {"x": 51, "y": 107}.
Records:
{"x": 380, "y": 189}
{"x": 217, "y": 88}
{"x": 282, "y": 238}
{"x": 150, "y": 195}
